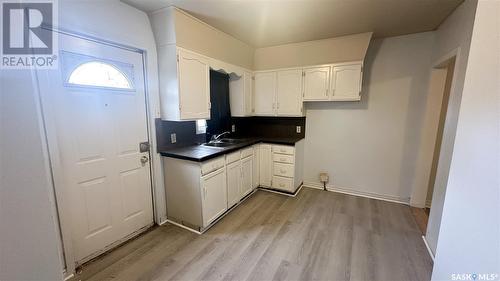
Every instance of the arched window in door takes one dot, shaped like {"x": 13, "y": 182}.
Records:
{"x": 99, "y": 74}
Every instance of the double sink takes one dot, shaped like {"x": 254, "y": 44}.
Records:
{"x": 225, "y": 142}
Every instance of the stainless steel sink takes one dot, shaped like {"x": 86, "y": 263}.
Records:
{"x": 218, "y": 144}
{"x": 228, "y": 140}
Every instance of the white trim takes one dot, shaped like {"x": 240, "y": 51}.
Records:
{"x": 115, "y": 244}
{"x": 428, "y": 248}
{"x": 281, "y": 193}
{"x": 217, "y": 219}
{"x": 354, "y": 192}
{"x": 439, "y": 63}
{"x": 68, "y": 276}
{"x": 183, "y": 226}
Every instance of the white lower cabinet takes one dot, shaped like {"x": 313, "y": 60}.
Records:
{"x": 213, "y": 196}
{"x": 198, "y": 193}
{"x": 233, "y": 183}
{"x": 255, "y": 170}
{"x": 246, "y": 176}
{"x": 265, "y": 165}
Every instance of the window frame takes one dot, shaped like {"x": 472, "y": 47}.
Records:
{"x": 71, "y": 61}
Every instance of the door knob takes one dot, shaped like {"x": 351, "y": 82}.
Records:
{"x": 144, "y": 160}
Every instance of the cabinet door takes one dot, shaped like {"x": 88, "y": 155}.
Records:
{"x": 246, "y": 176}
{"x": 194, "y": 86}
{"x": 346, "y": 82}
{"x": 264, "y": 93}
{"x": 241, "y": 95}
{"x": 289, "y": 92}
{"x": 256, "y": 159}
{"x": 265, "y": 165}
{"x": 316, "y": 83}
{"x": 214, "y": 199}
{"x": 248, "y": 93}
{"x": 233, "y": 183}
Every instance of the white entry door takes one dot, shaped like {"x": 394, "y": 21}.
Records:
{"x": 97, "y": 100}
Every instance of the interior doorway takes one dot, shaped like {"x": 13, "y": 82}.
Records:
{"x": 438, "y": 101}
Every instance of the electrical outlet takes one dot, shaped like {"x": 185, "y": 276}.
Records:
{"x": 173, "y": 138}
{"x": 299, "y": 129}
{"x": 233, "y": 128}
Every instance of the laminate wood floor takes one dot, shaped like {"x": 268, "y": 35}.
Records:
{"x": 318, "y": 235}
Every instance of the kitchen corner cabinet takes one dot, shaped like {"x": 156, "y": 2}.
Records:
{"x": 246, "y": 175}
{"x": 255, "y": 170}
{"x": 265, "y": 165}
{"x": 289, "y": 93}
{"x": 346, "y": 82}
{"x": 241, "y": 95}
{"x": 265, "y": 93}
{"x": 278, "y": 93}
{"x": 184, "y": 84}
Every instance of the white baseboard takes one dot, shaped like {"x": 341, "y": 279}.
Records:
{"x": 428, "y": 248}
{"x": 354, "y": 192}
{"x": 282, "y": 193}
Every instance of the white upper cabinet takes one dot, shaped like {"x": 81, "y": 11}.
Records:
{"x": 289, "y": 92}
{"x": 346, "y": 82}
{"x": 316, "y": 83}
{"x": 184, "y": 84}
{"x": 194, "y": 86}
{"x": 241, "y": 94}
{"x": 265, "y": 93}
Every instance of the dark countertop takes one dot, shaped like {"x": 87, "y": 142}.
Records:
{"x": 200, "y": 153}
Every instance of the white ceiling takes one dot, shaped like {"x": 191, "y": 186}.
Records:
{"x": 263, "y": 23}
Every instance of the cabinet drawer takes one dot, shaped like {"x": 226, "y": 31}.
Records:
{"x": 233, "y": 157}
{"x": 246, "y": 152}
{"x": 283, "y": 158}
{"x": 212, "y": 165}
{"x": 284, "y": 170}
{"x": 284, "y": 149}
{"x": 283, "y": 183}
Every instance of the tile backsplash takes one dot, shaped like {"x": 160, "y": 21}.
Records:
{"x": 282, "y": 127}
{"x": 185, "y": 131}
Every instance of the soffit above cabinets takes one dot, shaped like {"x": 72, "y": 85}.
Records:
{"x": 270, "y": 23}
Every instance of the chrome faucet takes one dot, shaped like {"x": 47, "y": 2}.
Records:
{"x": 217, "y": 137}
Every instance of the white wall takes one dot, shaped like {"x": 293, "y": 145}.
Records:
{"x": 173, "y": 26}
{"x": 371, "y": 146}
{"x": 454, "y": 33}
{"x": 29, "y": 238}
{"x": 331, "y": 50}
{"x": 29, "y": 241}
{"x": 469, "y": 236}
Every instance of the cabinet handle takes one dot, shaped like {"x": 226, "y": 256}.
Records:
{"x": 283, "y": 159}
{"x": 283, "y": 171}
{"x": 327, "y": 92}
{"x": 282, "y": 185}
